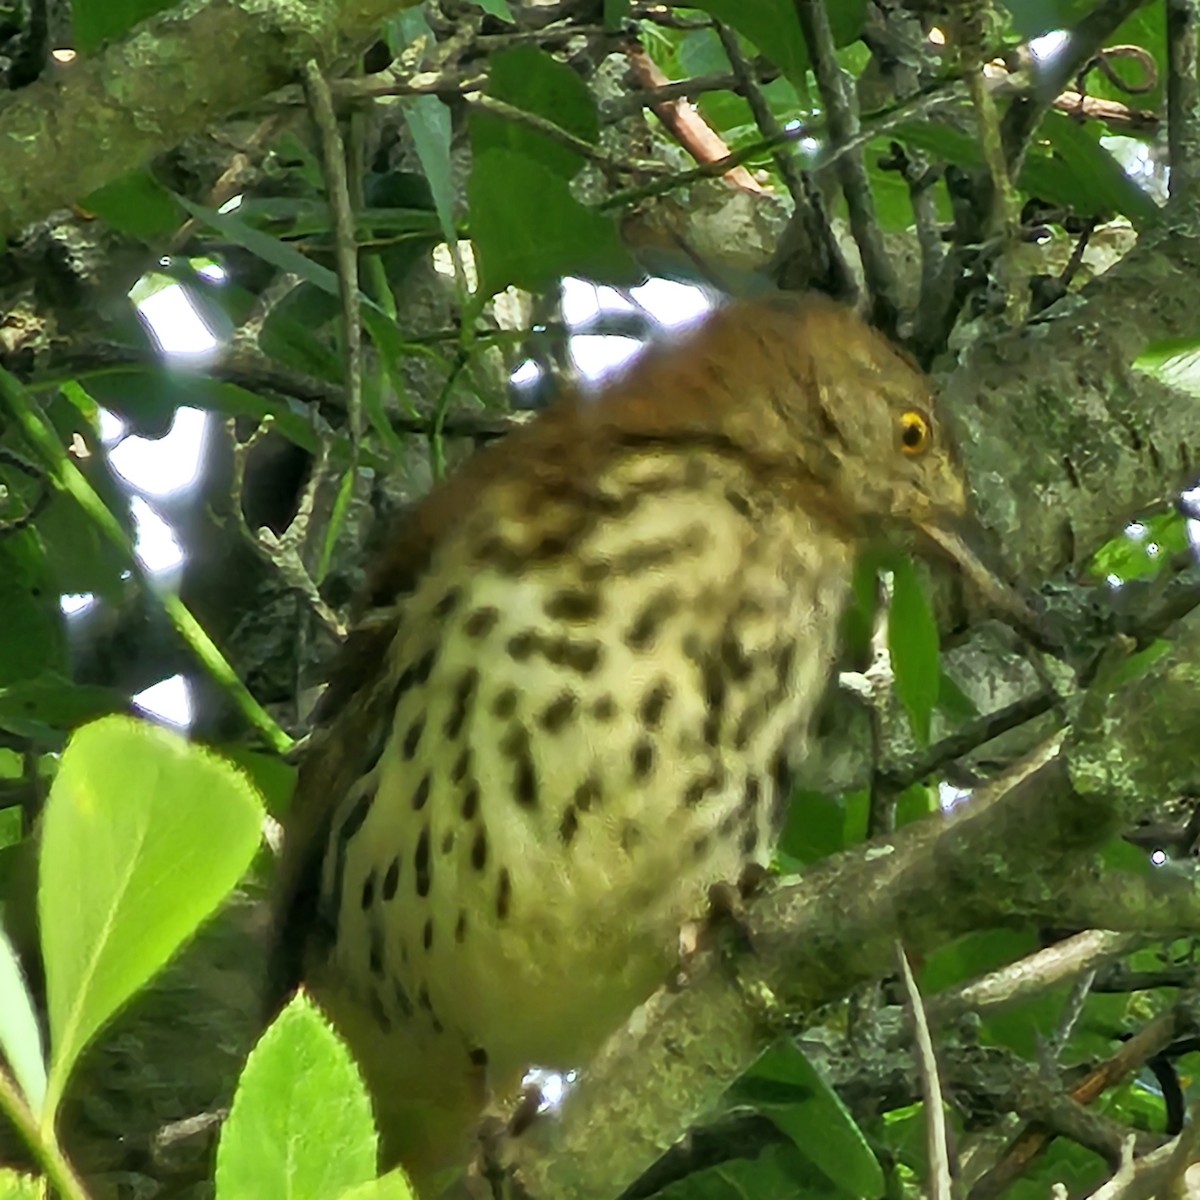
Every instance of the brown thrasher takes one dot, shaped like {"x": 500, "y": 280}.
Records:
{"x": 570, "y": 703}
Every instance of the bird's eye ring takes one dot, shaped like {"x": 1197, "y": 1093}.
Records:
{"x": 916, "y": 434}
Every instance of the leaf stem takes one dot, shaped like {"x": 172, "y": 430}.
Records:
{"x": 43, "y": 1143}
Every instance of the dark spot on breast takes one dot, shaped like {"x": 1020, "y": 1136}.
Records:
{"x": 574, "y": 605}
{"x": 650, "y": 619}
{"x": 460, "y": 927}
{"x": 604, "y": 708}
{"x": 422, "y": 863}
{"x": 654, "y": 703}
{"x": 424, "y": 666}
{"x": 355, "y": 817}
{"x": 481, "y": 622}
{"x": 750, "y": 795}
{"x": 700, "y": 846}
{"x": 501, "y": 555}
{"x": 643, "y": 759}
{"x": 403, "y": 1003}
{"x": 569, "y": 825}
{"x": 558, "y": 712}
{"x": 503, "y": 894}
{"x": 700, "y": 787}
{"x": 505, "y": 703}
{"x": 448, "y": 841}
{"x": 525, "y": 783}
{"x": 522, "y": 645}
{"x": 427, "y": 934}
{"x": 734, "y": 659}
{"x": 479, "y": 850}
{"x": 478, "y": 1057}
{"x": 581, "y": 657}
{"x": 408, "y": 677}
{"x": 587, "y": 794}
{"x": 464, "y": 693}
{"x": 375, "y": 950}
{"x": 421, "y": 795}
{"x": 632, "y": 836}
{"x": 423, "y": 999}
{"x": 470, "y": 801}
{"x": 750, "y": 840}
{"x": 447, "y": 604}
{"x": 462, "y": 765}
{"x": 391, "y": 879}
{"x": 380, "y": 1014}
{"x": 412, "y": 739}
{"x": 738, "y": 502}
{"x": 368, "y": 891}
{"x": 349, "y": 827}
{"x": 595, "y": 571}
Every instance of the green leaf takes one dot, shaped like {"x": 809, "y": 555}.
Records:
{"x": 137, "y": 205}
{"x": 785, "y": 1087}
{"x": 20, "y": 1038}
{"x": 531, "y": 246}
{"x": 771, "y": 25}
{"x": 95, "y": 22}
{"x": 496, "y": 8}
{"x": 300, "y": 1127}
{"x": 130, "y": 867}
{"x": 615, "y": 12}
{"x": 392, "y": 1186}
{"x": 779, "y": 1173}
{"x": 816, "y": 827}
{"x": 429, "y": 123}
{"x": 34, "y": 639}
{"x": 1099, "y": 183}
{"x": 533, "y": 81}
{"x": 141, "y": 394}
{"x": 15, "y": 1186}
{"x": 913, "y": 645}
{"x": 56, "y": 702}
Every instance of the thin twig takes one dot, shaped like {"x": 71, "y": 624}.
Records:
{"x": 764, "y": 118}
{"x": 843, "y": 126}
{"x": 1183, "y": 96}
{"x": 337, "y": 190}
{"x": 937, "y": 1143}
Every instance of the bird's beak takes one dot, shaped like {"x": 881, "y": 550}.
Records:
{"x": 963, "y": 541}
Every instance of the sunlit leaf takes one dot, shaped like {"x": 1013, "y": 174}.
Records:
{"x": 129, "y": 868}
{"x": 300, "y": 1127}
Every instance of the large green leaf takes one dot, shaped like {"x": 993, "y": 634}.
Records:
{"x": 95, "y": 22}
{"x": 429, "y": 124}
{"x": 913, "y": 646}
{"x": 143, "y": 836}
{"x": 779, "y": 1173}
{"x": 136, "y": 204}
{"x": 300, "y": 1127}
{"x": 533, "y": 81}
{"x": 20, "y": 1038}
{"x": 787, "y": 1088}
{"x": 33, "y": 638}
{"x": 531, "y": 245}
{"x": 772, "y": 27}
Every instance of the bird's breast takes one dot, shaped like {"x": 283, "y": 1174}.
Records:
{"x": 592, "y": 718}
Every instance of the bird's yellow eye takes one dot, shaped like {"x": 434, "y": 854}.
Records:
{"x": 916, "y": 434}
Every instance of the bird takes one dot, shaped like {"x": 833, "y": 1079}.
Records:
{"x": 577, "y": 686}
